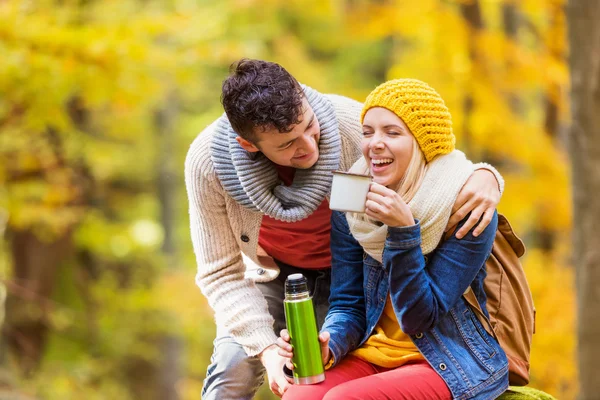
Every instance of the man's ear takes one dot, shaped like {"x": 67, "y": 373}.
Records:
{"x": 246, "y": 145}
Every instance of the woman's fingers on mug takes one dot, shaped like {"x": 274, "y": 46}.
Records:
{"x": 284, "y": 334}
{"x": 380, "y": 189}
{"x": 376, "y": 197}
{"x": 389, "y": 200}
{"x": 377, "y": 188}
{"x": 373, "y": 206}
{"x": 373, "y": 214}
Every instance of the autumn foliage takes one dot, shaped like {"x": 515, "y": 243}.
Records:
{"x": 100, "y": 99}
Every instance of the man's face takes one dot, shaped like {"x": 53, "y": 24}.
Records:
{"x": 298, "y": 148}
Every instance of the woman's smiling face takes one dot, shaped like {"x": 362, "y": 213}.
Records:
{"x": 387, "y": 145}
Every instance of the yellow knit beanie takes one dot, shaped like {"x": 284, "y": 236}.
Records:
{"x": 421, "y": 108}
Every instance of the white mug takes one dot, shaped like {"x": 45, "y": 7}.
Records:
{"x": 349, "y": 192}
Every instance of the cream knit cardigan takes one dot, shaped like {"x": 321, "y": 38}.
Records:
{"x": 225, "y": 236}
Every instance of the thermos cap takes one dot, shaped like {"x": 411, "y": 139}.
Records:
{"x": 294, "y": 277}
{"x": 296, "y": 284}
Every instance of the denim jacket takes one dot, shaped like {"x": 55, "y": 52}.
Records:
{"x": 426, "y": 293}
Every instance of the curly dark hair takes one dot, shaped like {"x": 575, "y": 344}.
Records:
{"x": 261, "y": 94}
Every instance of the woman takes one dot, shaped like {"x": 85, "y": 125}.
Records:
{"x": 397, "y": 325}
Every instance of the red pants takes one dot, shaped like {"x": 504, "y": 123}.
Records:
{"x": 356, "y": 379}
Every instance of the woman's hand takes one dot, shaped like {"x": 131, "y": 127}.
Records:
{"x": 286, "y": 350}
{"x": 387, "y": 206}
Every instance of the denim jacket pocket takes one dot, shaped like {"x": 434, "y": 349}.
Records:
{"x": 480, "y": 332}
{"x": 474, "y": 338}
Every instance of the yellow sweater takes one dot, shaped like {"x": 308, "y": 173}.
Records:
{"x": 388, "y": 346}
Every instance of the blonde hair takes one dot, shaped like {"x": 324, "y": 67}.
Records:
{"x": 407, "y": 188}
{"x": 411, "y": 181}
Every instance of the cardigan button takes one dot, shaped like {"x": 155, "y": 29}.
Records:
{"x": 443, "y": 366}
{"x": 419, "y": 335}
{"x": 245, "y": 238}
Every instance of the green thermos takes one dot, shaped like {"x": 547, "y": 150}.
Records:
{"x": 302, "y": 327}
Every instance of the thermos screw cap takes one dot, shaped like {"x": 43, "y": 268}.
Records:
{"x": 296, "y": 284}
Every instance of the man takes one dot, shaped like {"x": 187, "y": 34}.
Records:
{"x": 257, "y": 181}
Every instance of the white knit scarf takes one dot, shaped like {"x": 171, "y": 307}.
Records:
{"x": 444, "y": 177}
{"x": 252, "y": 180}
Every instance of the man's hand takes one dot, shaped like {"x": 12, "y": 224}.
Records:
{"x": 480, "y": 195}
{"x": 274, "y": 363}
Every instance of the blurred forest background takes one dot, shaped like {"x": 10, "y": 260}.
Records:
{"x": 100, "y": 99}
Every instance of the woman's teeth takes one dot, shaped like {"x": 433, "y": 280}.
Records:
{"x": 382, "y": 161}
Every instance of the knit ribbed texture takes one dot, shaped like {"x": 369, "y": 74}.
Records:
{"x": 495, "y": 172}
{"x": 251, "y": 179}
{"x": 222, "y": 229}
{"x": 421, "y": 108}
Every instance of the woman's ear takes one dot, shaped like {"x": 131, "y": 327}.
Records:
{"x": 246, "y": 145}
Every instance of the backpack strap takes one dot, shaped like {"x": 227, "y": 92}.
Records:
{"x": 519, "y": 248}
{"x": 511, "y": 237}
{"x": 471, "y": 299}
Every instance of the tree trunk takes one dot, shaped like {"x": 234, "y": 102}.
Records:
{"x": 555, "y": 48}
{"x": 471, "y": 12}
{"x": 510, "y": 23}
{"x": 172, "y": 346}
{"x": 35, "y": 265}
{"x": 584, "y": 147}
